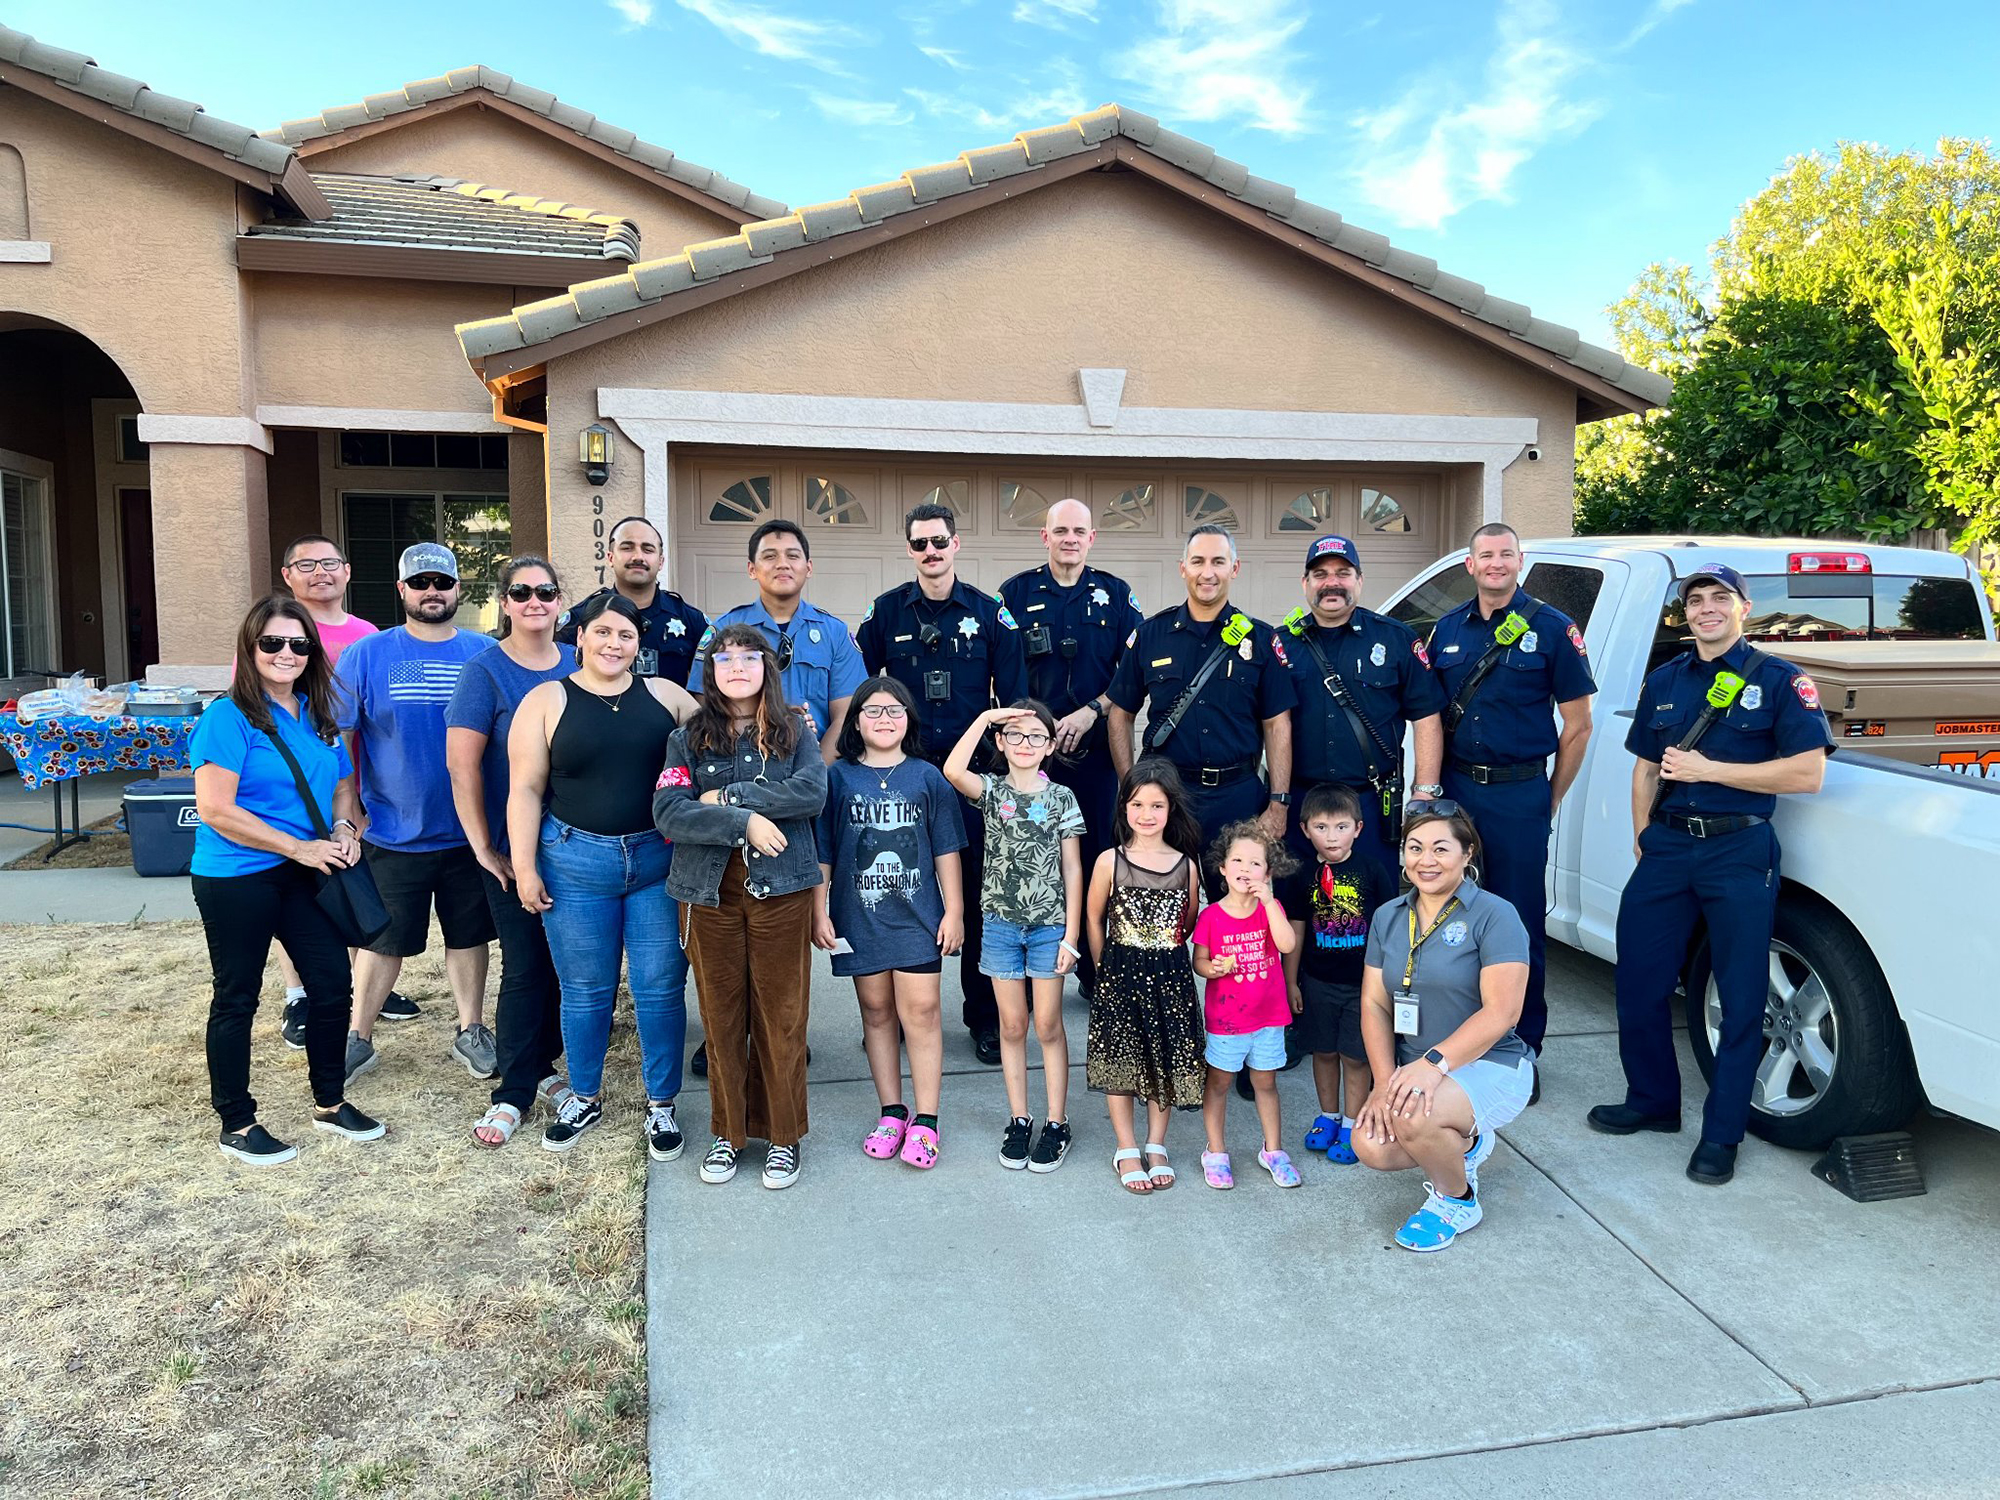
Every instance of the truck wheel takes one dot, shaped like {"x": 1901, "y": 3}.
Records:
{"x": 1836, "y": 1060}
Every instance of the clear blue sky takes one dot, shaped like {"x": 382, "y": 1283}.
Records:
{"x": 1546, "y": 149}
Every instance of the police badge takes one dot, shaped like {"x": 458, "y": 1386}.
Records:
{"x": 1753, "y": 696}
{"x": 1529, "y": 642}
{"x": 1378, "y": 654}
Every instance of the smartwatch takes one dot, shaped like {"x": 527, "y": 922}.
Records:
{"x": 1436, "y": 1059}
{"x": 1283, "y": 799}
{"x": 344, "y": 823}
{"x": 1101, "y": 707}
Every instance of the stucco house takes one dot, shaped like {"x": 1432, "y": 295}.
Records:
{"x": 395, "y": 320}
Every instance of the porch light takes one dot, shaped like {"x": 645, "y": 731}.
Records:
{"x": 594, "y": 451}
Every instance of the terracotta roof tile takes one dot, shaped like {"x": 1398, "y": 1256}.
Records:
{"x": 443, "y": 213}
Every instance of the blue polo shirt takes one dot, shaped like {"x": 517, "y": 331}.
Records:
{"x": 826, "y": 664}
{"x": 264, "y": 783}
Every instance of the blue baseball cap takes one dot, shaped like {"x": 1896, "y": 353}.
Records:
{"x": 427, "y": 557}
{"x": 1720, "y": 573}
{"x": 1331, "y": 546}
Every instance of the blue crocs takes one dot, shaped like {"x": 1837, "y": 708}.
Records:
{"x": 1341, "y": 1152}
{"x": 1440, "y": 1221}
{"x": 1475, "y": 1158}
{"x": 1324, "y": 1131}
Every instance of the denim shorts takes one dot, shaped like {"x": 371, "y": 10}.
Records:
{"x": 1262, "y": 1049}
{"x": 1008, "y": 951}
{"x": 1498, "y": 1088}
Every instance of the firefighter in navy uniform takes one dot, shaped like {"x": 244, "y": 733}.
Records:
{"x": 957, "y": 651}
{"x": 1075, "y": 622}
{"x": 1217, "y": 695}
{"x": 1508, "y": 665}
{"x": 670, "y": 628}
{"x": 1360, "y": 678}
{"x": 1718, "y": 733}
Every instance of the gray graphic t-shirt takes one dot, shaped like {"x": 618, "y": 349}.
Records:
{"x": 1024, "y": 834}
{"x": 882, "y": 844}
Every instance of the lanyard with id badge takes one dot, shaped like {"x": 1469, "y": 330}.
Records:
{"x": 1405, "y": 998}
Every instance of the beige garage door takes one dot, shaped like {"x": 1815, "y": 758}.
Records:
{"x": 852, "y": 506}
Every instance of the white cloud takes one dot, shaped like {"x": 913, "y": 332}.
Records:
{"x": 1655, "y": 14}
{"x": 791, "y": 38}
{"x": 946, "y": 56}
{"x": 1439, "y": 149}
{"x": 635, "y": 12}
{"x": 1225, "y": 60}
{"x": 1059, "y": 15}
{"x": 1055, "y": 94}
{"x": 863, "y": 112}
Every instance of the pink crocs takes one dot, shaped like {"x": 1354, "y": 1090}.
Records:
{"x": 920, "y": 1150}
{"x": 883, "y": 1140}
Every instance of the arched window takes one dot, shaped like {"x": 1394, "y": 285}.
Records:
{"x": 834, "y": 503}
{"x": 1022, "y": 504}
{"x": 1203, "y": 507}
{"x": 1311, "y": 511}
{"x": 955, "y": 493}
{"x": 13, "y": 195}
{"x": 1131, "y": 510}
{"x": 1382, "y": 511}
{"x": 746, "y": 502}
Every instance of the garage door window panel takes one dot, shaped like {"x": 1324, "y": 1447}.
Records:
{"x": 743, "y": 502}
{"x": 846, "y": 501}
{"x": 955, "y": 493}
{"x": 1119, "y": 503}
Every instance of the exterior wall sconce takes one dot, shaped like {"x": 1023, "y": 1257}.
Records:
{"x": 594, "y": 450}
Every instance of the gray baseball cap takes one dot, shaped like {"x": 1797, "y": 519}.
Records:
{"x": 427, "y": 557}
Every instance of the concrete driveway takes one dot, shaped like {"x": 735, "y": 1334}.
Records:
{"x": 1610, "y": 1329}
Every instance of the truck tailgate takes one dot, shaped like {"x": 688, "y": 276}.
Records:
{"x": 1927, "y": 703}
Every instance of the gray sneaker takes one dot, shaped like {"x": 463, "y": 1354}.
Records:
{"x": 361, "y": 1056}
{"x": 475, "y": 1046}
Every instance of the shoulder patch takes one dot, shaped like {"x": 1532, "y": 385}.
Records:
{"x": 673, "y": 776}
{"x": 706, "y": 636}
{"x": 1807, "y": 689}
{"x": 1422, "y": 655}
{"x": 1006, "y": 617}
{"x": 1278, "y": 648}
{"x": 869, "y": 613}
{"x": 1576, "y": 640}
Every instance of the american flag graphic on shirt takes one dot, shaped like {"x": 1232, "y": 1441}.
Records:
{"x": 423, "y": 681}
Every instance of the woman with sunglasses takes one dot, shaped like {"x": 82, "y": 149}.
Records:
{"x": 742, "y": 789}
{"x": 258, "y": 856}
{"x": 584, "y": 755}
{"x": 528, "y": 1014}
{"x": 1442, "y": 982}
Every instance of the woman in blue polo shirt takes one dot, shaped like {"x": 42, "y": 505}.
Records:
{"x": 257, "y": 861}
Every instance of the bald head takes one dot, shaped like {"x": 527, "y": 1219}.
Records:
{"x": 1068, "y": 532}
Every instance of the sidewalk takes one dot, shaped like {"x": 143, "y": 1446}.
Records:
{"x": 30, "y": 893}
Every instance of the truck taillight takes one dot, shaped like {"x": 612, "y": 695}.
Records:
{"x": 1830, "y": 562}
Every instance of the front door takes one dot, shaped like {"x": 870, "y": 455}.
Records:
{"x": 142, "y": 615}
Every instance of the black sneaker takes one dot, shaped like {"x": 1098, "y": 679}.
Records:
{"x": 256, "y": 1147}
{"x": 295, "y": 1024}
{"x": 698, "y": 1064}
{"x": 576, "y": 1116}
{"x": 399, "y": 1007}
{"x": 986, "y": 1045}
{"x": 350, "y": 1122}
{"x": 1051, "y": 1148}
{"x": 1014, "y": 1144}
{"x": 664, "y": 1141}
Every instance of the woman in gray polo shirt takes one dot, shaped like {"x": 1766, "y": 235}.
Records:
{"x": 1446, "y": 969}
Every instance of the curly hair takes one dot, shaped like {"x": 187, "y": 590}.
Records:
{"x": 1279, "y": 861}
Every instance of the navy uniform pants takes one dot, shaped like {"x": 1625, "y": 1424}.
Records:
{"x": 1215, "y": 808}
{"x": 1094, "y": 780}
{"x": 1514, "y": 823}
{"x": 1732, "y": 881}
{"x": 1379, "y": 835}
{"x": 978, "y": 1012}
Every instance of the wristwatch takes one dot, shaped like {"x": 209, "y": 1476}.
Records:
{"x": 1100, "y": 707}
{"x": 1436, "y": 1059}
{"x": 1283, "y": 799}
{"x": 344, "y": 823}
{"x": 1431, "y": 790}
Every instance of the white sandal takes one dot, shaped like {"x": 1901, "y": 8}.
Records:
{"x": 553, "y": 1091}
{"x": 501, "y": 1117}
{"x": 1163, "y": 1175}
{"x": 1126, "y": 1179}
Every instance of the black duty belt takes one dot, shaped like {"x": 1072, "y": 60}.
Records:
{"x": 1696, "y": 826}
{"x": 1526, "y": 770}
{"x": 1213, "y": 776}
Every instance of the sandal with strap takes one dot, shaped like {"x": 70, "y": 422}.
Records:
{"x": 920, "y": 1148}
{"x": 1131, "y": 1181}
{"x": 1215, "y": 1169}
{"x": 504, "y": 1118}
{"x": 1163, "y": 1174}
{"x": 883, "y": 1140}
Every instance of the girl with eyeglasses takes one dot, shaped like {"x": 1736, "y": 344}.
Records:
{"x": 528, "y": 1013}
{"x": 1032, "y": 901}
{"x": 891, "y": 907}
{"x": 258, "y": 862}
{"x": 742, "y": 790}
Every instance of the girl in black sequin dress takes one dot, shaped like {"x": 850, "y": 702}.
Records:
{"x": 1145, "y": 1017}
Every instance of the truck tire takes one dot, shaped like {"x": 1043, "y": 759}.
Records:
{"x": 1836, "y": 1059}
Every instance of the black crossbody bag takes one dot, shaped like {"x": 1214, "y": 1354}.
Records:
{"x": 347, "y": 895}
{"x": 1387, "y": 778}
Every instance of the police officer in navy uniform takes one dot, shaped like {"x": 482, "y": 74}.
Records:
{"x": 1075, "y": 621}
{"x": 1508, "y": 665}
{"x": 1719, "y": 732}
{"x": 1222, "y": 673}
{"x": 1382, "y": 669}
{"x": 957, "y": 651}
{"x": 670, "y": 628}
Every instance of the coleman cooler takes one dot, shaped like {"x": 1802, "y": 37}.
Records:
{"x": 161, "y": 818}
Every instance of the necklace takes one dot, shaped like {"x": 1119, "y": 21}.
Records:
{"x": 883, "y": 773}
{"x": 616, "y": 701}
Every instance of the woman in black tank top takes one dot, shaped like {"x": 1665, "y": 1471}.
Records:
{"x": 584, "y": 756}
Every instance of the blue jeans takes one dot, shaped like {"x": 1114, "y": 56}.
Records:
{"x": 610, "y": 901}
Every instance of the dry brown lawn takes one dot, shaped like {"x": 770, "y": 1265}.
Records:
{"x": 414, "y": 1317}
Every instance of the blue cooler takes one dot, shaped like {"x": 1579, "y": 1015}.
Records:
{"x": 160, "y": 816}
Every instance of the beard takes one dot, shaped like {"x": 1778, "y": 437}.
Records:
{"x": 433, "y": 613}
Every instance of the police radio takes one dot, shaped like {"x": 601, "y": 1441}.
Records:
{"x": 1721, "y": 693}
{"x": 1510, "y": 629}
{"x": 1237, "y": 630}
{"x": 1297, "y": 620}
{"x": 930, "y": 635}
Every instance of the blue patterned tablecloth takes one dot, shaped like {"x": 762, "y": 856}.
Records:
{"x": 72, "y": 745}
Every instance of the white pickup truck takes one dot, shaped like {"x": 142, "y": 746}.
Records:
{"x": 1887, "y": 948}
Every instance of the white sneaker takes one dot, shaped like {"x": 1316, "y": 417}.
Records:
{"x": 1475, "y": 1158}
{"x": 1439, "y": 1222}
{"x": 781, "y": 1167}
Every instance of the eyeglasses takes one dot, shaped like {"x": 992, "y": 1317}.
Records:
{"x": 271, "y": 645}
{"x": 741, "y": 660}
{"x": 317, "y": 564}
{"x": 922, "y": 544}
{"x": 431, "y": 583}
{"x": 885, "y": 711}
{"x": 521, "y": 593}
{"x": 1034, "y": 739}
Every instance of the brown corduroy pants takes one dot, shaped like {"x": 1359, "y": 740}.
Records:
{"x": 753, "y": 968}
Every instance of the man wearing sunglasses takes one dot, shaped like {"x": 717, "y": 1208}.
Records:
{"x": 318, "y": 575}
{"x": 670, "y": 628}
{"x": 956, "y": 650}
{"x": 394, "y": 686}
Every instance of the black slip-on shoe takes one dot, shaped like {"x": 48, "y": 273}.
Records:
{"x": 1622, "y": 1119}
{"x": 986, "y": 1045}
{"x": 398, "y": 1006}
{"x": 698, "y": 1064}
{"x": 255, "y": 1147}
{"x": 1712, "y": 1164}
{"x": 350, "y": 1122}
